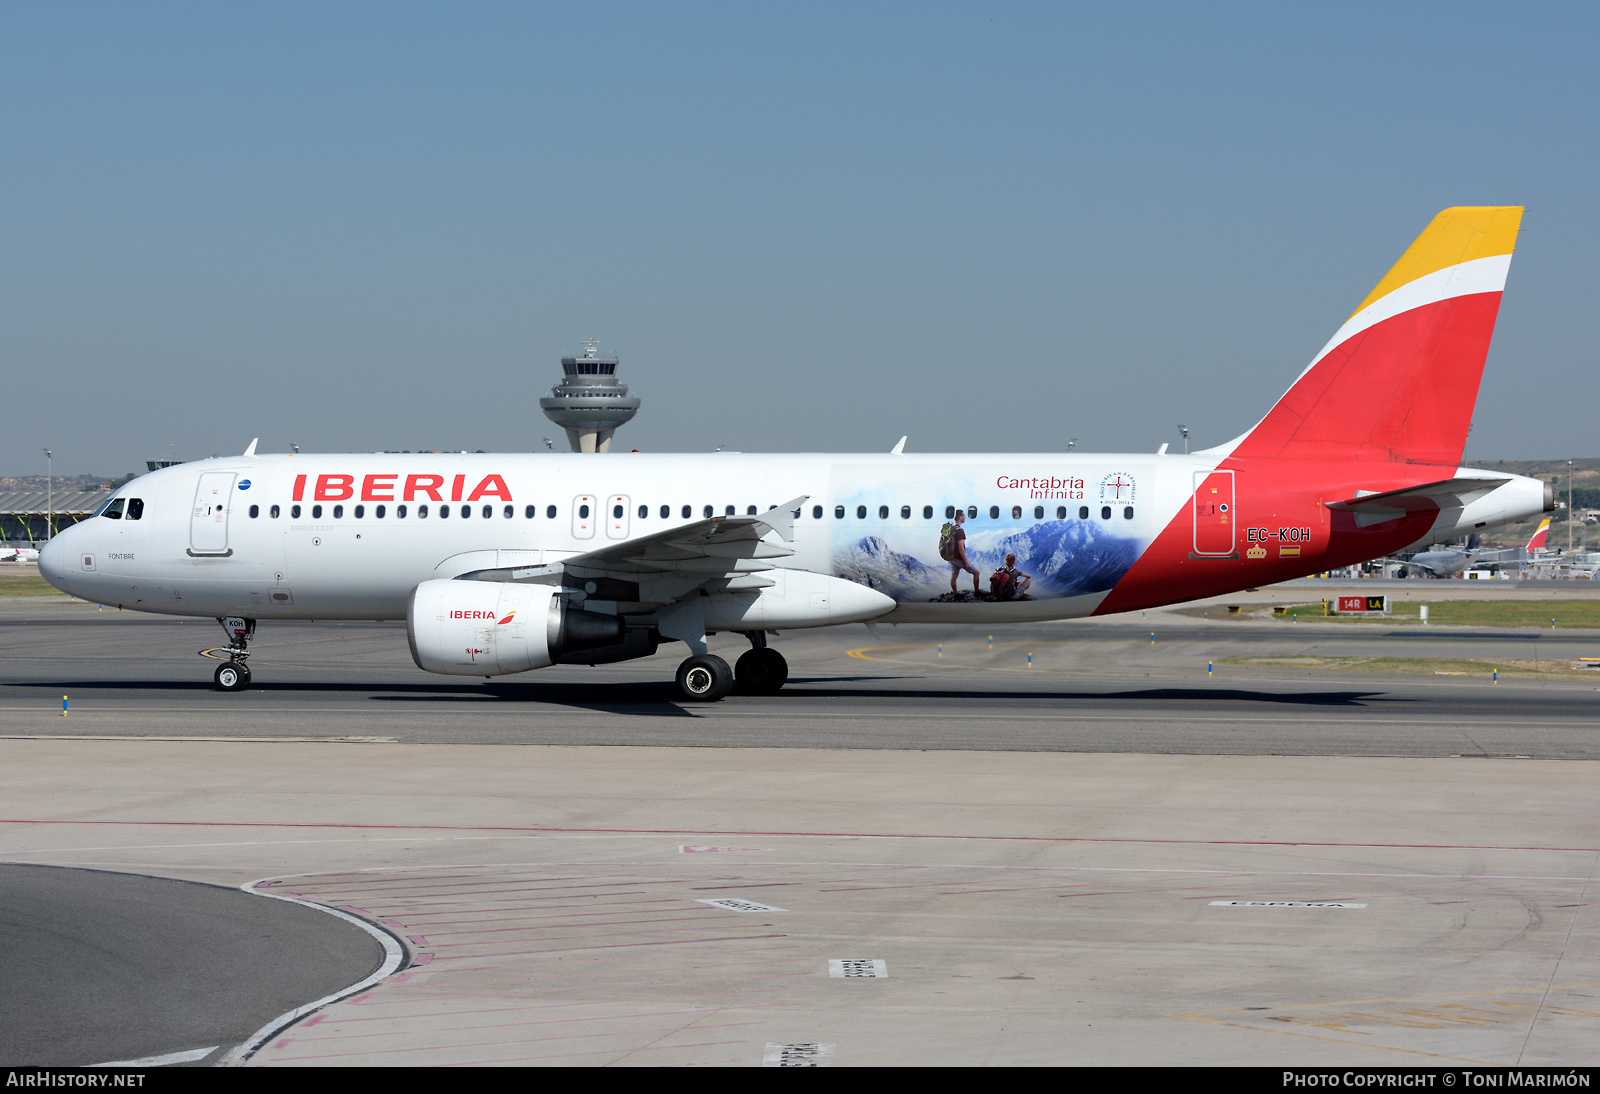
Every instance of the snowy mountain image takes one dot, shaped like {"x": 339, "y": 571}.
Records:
{"x": 1065, "y": 557}
{"x": 872, "y": 563}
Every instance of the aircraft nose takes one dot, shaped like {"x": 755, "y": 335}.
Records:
{"x": 53, "y": 558}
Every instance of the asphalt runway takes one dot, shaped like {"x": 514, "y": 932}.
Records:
{"x": 1093, "y": 842}
{"x": 91, "y": 975}
{"x": 1156, "y": 683}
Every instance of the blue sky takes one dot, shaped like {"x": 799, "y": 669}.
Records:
{"x": 804, "y": 227}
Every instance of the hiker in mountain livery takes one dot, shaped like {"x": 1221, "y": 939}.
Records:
{"x": 953, "y": 549}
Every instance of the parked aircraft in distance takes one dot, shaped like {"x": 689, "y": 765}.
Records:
{"x": 1449, "y": 561}
{"x": 504, "y": 563}
{"x": 18, "y": 554}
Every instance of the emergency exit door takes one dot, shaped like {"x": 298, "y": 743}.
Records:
{"x": 584, "y": 516}
{"x": 1214, "y": 518}
{"x": 617, "y": 516}
{"x": 208, "y": 521}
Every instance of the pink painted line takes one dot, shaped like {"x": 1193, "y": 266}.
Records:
{"x": 555, "y": 938}
{"x": 586, "y": 949}
{"x": 433, "y": 1014}
{"x": 535, "y": 1040}
{"x": 412, "y": 1033}
{"x": 565, "y": 915}
{"x": 559, "y": 926}
{"x": 342, "y": 827}
{"x": 601, "y": 1052}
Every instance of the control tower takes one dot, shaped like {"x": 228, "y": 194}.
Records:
{"x": 589, "y": 403}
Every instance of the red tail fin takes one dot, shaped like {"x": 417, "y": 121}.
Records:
{"x": 1400, "y": 378}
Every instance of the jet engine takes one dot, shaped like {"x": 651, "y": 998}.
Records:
{"x": 491, "y": 628}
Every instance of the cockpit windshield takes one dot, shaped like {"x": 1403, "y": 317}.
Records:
{"x": 111, "y": 509}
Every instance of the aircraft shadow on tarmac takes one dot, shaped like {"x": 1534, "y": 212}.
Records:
{"x": 659, "y": 697}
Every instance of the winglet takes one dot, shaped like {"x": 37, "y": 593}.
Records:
{"x": 899, "y": 449}
{"x": 780, "y": 518}
{"x": 251, "y": 451}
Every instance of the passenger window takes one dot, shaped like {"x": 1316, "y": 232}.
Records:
{"x": 838, "y": 512}
{"x": 273, "y": 512}
{"x": 113, "y": 509}
{"x": 927, "y": 512}
{"x": 816, "y": 512}
{"x": 949, "y": 512}
{"x": 708, "y": 511}
{"x": 861, "y": 512}
{"x": 255, "y": 511}
{"x": 422, "y": 512}
{"x": 399, "y": 512}
{"x": 750, "y": 511}
{"x": 338, "y": 511}
{"x": 905, "y": 512}
{"x": 583, "y": 510}
{"x": 1083, "y": 512}
{"x": 528, "y": 512}
{"x": 1105, "y": 512}
{"x": 1038, "y": 512}
{"x": 883, "y": 512}
{"x": 1127, "y": 514}
{"x": 644, "y": 511}
{"x": 1061, "y": 512}
{"x": 616, "y": 512}
{"x": 994, "y": 512}
{"x": 507, "y": 512}
{"x": 466, "y": 511}
{"x": 135, "y": 508}
{"x": 1016, "y": 512}
{"x": 379, "y": 511}
{"x": 294, "y": 512}
{"x": 728, "y": 512}
{"x": 666, "y": 512}
{"x": 316, "y": 512}
{"x": 444, "y": 511}
{"x": 687, "y": 512}
{"x": 549, "y": 512}
{"x": 972, "y": 512}
{"x": 361, "y": 511}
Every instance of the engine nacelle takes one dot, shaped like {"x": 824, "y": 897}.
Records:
{"x": 491, "y": 628}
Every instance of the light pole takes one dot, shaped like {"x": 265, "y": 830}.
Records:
{"x": 50, "y": 494}
{"x": 1185, "y": 431}
{"x": 1073, "y": 443}
{"x": 1569, "y": 507}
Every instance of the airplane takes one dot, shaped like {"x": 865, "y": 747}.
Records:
{"x": 1444, "y": 561}
{"x": 504, "y": 563}
{"x": 19, "y": 554}
{"x": 1449, "y": 561}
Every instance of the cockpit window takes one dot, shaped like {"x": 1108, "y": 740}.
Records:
{"x": 135, "y": 508}
{"x": 112, "y": 509}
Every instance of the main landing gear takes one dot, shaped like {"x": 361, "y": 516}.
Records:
{"x": 233, "y": 674}
{"x": 705, "y": 678}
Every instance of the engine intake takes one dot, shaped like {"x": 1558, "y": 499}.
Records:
{"x": 492, "y": 628}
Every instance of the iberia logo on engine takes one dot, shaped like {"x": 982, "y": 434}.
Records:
{"x": 462, "y": 613}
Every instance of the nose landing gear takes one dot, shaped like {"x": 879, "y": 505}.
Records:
{"x": 233, "y": 674}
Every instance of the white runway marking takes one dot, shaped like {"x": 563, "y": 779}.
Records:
{"x": 734, "y": 904}
{"x": 852, "y": 967}
{"x": 1282, "y": 904}
{"x": 185, "y": 1057}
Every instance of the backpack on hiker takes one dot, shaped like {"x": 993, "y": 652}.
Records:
{"x": 1003, "y": 585}
{"x": 947, "y": 542}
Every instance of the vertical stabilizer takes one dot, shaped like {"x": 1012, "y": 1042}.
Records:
{"x": 1400, "y": 378}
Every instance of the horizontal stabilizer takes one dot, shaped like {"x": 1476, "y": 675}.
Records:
{"x": 1426, "y": 498}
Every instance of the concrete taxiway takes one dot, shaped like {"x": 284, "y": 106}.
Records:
{"x": 1097, "y": 859}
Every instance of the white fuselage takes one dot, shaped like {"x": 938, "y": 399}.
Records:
{"x": 244, "y": 552}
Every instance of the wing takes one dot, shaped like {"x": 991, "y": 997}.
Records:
{"x": 650, "y": 572}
